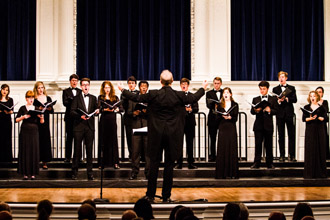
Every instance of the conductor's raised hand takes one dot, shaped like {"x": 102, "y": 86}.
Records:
{"x": 120, "y": 86}
{"x": 205, "y": 84}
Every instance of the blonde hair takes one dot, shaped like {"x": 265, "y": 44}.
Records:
{"x": 316, "y": 94}
{"x": 35, "y": 88}
{"x": 112, "y": 91}
{"x": 282, "y": 72}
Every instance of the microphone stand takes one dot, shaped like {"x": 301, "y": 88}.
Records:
{"x": 101, "y": 199}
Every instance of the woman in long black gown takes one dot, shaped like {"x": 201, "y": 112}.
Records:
{"x": 44, "y": 132}
{"x": 28, "y": 152}
{"x": 325, "y": 104}
{"x": 108, "y": 140}
{"x": 315, "y": 155}
{"x": 227, "y": 155}
{"x": 6, "y": 154}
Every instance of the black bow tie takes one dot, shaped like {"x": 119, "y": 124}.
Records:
{"x": 217, "y": 91}
{"x": 86, "y": 95}
{"x": 264, "y": 96}
{"x": 284, "y": 86}
{"x": 74, "y": 88}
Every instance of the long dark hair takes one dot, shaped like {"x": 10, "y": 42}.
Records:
{"x": 3, "y": 86}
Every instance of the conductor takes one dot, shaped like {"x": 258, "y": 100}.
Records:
{"x": 167, "y": 112}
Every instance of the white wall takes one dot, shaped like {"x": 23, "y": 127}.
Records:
{"x": 210, "y": 57}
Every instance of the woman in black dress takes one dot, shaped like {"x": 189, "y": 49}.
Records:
{"x": 28, "y": 152}
{"x": 108, "y": 140}
{"x": 6, "y": 154}
{"x": 44, "y": 132}
{"x": 325, "y": 104}
{"x": 315, "y": 155}
{"x": 227, "y": 155}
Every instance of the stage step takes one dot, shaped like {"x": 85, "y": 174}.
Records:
{"x": 59, "y": 175}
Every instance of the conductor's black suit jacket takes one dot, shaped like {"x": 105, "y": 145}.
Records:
{"x": 78, "y": 102}
{"x": 166, "y": 109}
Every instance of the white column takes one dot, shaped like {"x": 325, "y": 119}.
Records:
{"x": 211, "y": 39}
{"x": 55, "y": 61}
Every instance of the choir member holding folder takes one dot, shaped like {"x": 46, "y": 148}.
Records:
{"x": 263, "y": 107}
{"x": 6, "y": 109}
{"x": 67, "y": 98}
{"x": 315, "y": 137}
{"x": 325, "y": 104}
{"x": 227, "y": 156}
{"x": 286, "y": 97}
{"x": 109, "y": 104}
{"x": 83, "y": 108}
{"x": 28, "y": 152}
{"x": 138, "y": 111}
{"x": 43, "y": 103}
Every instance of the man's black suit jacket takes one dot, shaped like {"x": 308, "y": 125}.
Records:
{"x": 190, "y": 116}
{"x": 78, "y": 102}
{"x": 285, "y": 109}
{"x": 67, "y": 98}
{"x": 264, "y": 120}
{"x": 166, "y": 117}
{"x": 212, "y": 118}
{"x": 128, "y": 118}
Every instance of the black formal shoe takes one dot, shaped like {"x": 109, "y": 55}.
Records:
{"x": 67, "y": 160}
{"x": 179, "y": 166}
{"x": 255, "y": 166}
{"x": 191, "y": 166}
{"x": 25, "y": 178}
{"x": 292, "y": 159}
{"x": 281, "y": 159}
{"x": 150, "y": 199}
{"x": 74, "y": 177}
{"x": 271, "y": 166}
{"x": 116, "y": 166}
{"x": 33, "y": 177}
{"x": 168, "y": 200}
{"x": 133, "y": 177}
{"x": 90, "y": 177}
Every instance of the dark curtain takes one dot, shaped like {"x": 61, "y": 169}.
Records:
{"x": 273, "y": 35}
{"x": 120, "y": 38}
{"x": 17, "y": 39}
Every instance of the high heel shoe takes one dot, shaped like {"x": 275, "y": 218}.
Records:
{"x": 116, "y": 166}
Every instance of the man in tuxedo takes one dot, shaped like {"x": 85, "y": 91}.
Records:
{"x": 67, "y": 98}
{"x": 139, "y": 142}
{"x": 213, "y": 119}
{"x": 189, "y": 127}
{"x": 263, "y": 125}
{"x": 131, "y": 82}
{"x": 285, "y": 115}
{"x": 166, "y": 115}
{"x": 83, "y": 127}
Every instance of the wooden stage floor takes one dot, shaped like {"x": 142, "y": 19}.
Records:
{"x": 131, "y": 195}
